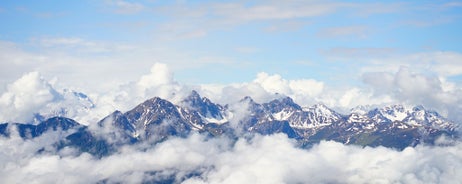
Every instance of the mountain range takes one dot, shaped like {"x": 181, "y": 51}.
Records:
{"x": 157, "y": 119}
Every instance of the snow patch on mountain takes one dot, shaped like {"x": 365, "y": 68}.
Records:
{"x": 282, "y": 115}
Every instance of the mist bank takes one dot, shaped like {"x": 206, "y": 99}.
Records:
{"x": 258, "y": 159}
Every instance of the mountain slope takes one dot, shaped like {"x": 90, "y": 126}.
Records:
{"x": 391, "y": 126}
{"x": 31, "y": 131}
{"x": 157, "y": 119}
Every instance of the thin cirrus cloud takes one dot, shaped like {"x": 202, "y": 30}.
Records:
{"x": 358, "y": 52}
{"x": 213, "y": 16}
{"x": 125, "y": 7}
{"x": 357, "y": 31}
{"x": 82, "y": 45}
{"x": 274, "y": 11}
{"x": 443, "y": 63}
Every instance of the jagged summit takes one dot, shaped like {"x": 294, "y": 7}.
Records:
{"x": 282, "y": 104}
{"x": 31, "y": 131}
{"x": 203, "y": 106}
{"x": 362, "y": 109}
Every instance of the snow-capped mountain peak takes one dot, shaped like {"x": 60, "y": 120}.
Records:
{"x": 362, "y": 109}
{"x": 322, "y": 110}
{"x": 395, "y": 112}
{"x": 68, "y": 103}
{"x": 393, "y": 126}
{"x": 206, "y": 109}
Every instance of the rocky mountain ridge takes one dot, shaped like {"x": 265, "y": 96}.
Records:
{"x": 157, "y": 119}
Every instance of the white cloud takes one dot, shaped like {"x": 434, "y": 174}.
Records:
{"x": 286, "y": 10}
{"x": 356, "y": 31}
{"x": 160, "y": 75}
{"x": 358, "y": 52}
{"x": 16, "y": 62}
{"x": 246, "y": 50}
{"x": 25, "y": 97}
{"x": 81, "y": 45}
{"x": 293, "y": 15}
{"x": 265, "y": 87}
{"x": 94, "y": 66}
{"x": 294, "y": 88}
{"x": 273, "y": 83}
{"x": 32, "y": 94}
{"x": 208, "y": 17}
{"x": 405, "y": 86}
{"x": 453, "y": 4}
{"x": 159, "y": 82}
{"x": 192, "y": 34}
{"x": 359, "y": 97}
{"x": 126, "y": 7}
{"x": 286, "y": 26}
{"x": 443, "y": 63}
{"x": 308, "y": 87}
{"x": 262, "y": 159}
{"x": 219, "y": 160}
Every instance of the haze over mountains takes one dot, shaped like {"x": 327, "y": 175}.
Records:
{"x": 195, "y": 139}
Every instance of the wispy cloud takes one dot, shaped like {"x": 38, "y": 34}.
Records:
{"x": 247, "y": 50}
{"x": 82, "y": 45}
{"x": 444, "y": 64}
{"x": 365, "y": 52}
{"x": 274, "y": 11}
{"x": 453, "y": 4}
{"x": 126, "y": 7}
{"x": 345, "y": 31}
{"x": 285, "y": 26}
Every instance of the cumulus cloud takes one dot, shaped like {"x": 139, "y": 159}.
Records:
{"x": 31, "y": 97}
{"x": 266, "y": 87}
{"x": 158, "y": 82}
{"x": 262, "y": 159}
{"x": 358, "y": 97}
{"x": 306, "y": 92}
{"x": 201, "y": 159}
{"x": 160, "y": 75}
{"x": 25, "y": 96}
{"x": 405, "y": 86}
{"x": 32, "y": 94}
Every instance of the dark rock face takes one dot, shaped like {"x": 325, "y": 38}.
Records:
{"x": 392, "y": 126}
{"x": 31, "y": 131}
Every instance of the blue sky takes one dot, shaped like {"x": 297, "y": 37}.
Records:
{"x": 231, "y": 41}
{"x": 340, "y": 53}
